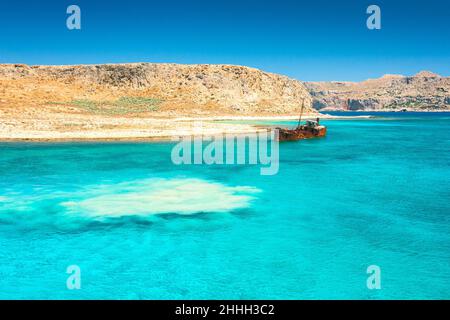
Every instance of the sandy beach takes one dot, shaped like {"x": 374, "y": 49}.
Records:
{"x": 60, "y": 127}
{"x": 86, "y": 128}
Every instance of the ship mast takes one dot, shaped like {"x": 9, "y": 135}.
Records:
{"x": 301, "y": 112}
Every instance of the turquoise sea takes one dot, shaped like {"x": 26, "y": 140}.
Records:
{"x": 373, "y": 192}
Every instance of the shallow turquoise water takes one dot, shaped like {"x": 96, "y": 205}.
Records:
{"x": 372, "y": 192}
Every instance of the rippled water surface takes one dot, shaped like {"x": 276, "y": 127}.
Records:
{"x": 374, "y": 191}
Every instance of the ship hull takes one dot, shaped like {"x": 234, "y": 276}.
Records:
{"x": 301, "y": 133}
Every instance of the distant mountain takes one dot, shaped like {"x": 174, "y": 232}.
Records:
{"x": 425, "y": 91}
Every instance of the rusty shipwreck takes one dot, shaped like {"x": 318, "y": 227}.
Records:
{"x": 310, "y": 129}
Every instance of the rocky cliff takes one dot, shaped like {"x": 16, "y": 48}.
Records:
{"x": 147, "y": 88}
{"x": 424, "y": 91}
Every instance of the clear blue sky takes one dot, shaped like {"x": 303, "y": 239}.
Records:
{"x": 307, "y": 40}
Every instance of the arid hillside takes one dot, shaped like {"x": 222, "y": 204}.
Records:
{"x": 139, "y": 100}
{"x": 424, "y": 91}
{"x": 148, "y": 89}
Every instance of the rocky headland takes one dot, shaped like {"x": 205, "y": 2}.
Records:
{"x": 425, "y": 91}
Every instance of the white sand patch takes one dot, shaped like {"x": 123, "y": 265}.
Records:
{"x": 157, "y": 196}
